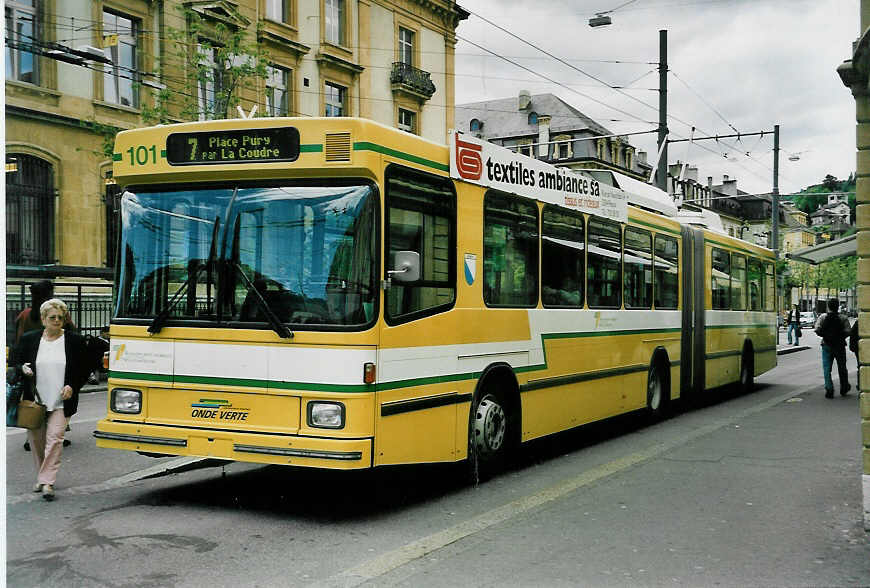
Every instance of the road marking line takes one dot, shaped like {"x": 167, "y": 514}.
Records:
{"x": 162, "y": 468}
{"x": 391, "y": 560}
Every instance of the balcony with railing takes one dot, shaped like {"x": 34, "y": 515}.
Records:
{"x": 412, "y": 81}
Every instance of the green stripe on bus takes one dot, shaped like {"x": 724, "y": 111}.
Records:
{"x": 368, "y": 146}
{"x": 752, "y": 326}
{"x": 314, "y": 148}
{"x": 117, "y": 157}
{"x": 362, "y": 388}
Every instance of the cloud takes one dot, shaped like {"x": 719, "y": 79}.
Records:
{"x": 754, "y": 64}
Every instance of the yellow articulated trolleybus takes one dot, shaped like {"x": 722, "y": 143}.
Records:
{"x": 335, "y": 293}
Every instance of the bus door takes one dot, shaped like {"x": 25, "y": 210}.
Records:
{"x": 692, "y": 341}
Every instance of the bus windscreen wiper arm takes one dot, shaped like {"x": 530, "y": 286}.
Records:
{"x": 157, "y": 324}
{"x": 276, "y": 323}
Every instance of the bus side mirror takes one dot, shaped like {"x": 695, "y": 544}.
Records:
{"x": 407, "y": 264}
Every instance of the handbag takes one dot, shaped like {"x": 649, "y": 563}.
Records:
{"x": 31, "y": 414}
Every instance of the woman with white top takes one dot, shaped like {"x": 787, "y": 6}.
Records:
{"x": 56, "y": 361}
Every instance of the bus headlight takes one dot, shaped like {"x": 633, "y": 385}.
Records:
{"x": 326, "y": 415}
{"x": 126, "y": 401}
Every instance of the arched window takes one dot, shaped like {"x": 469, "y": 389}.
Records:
{"x": 533, "y": 118}
{"x": 29, "y": 210}
{"x": 475, "y": 125}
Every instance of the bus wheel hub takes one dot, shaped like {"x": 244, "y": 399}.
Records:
{"x": 489, "y": 426}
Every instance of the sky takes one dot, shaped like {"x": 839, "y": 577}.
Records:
{"x": 733, "y": 64}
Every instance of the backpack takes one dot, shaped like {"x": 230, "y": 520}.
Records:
{"x": 853, "y": 338}
{"x": 831, "y": 330}
{"x": 94, "y": 349}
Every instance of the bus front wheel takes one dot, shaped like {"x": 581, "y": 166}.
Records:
{"x": 490, "y": 428}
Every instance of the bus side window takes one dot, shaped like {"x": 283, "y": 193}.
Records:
{"x": 510, "y": 251}
{"x": 666, "y": 264}
{"x": 421, "y": 217}
{"x": 562, "y": 263}
{"x": 769, "y": 287}
{"x": 637, "y": 268}
{"x": 602, "y": 274}
{"x": 721, "y": 279}
{"x": 738, "y": 282}
{"x": 753, "y": 279}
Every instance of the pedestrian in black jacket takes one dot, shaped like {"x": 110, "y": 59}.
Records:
{"x": 834, "y": 328}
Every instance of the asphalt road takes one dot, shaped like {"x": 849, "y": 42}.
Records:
{"x": 754, "y": 490}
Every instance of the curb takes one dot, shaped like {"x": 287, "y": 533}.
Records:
{"x": 784, "y": 350}
{"x": 91, "y": 388}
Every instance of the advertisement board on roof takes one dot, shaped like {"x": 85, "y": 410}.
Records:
{"x": 481, "y": 162}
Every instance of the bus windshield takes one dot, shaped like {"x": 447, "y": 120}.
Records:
{"x": 298, "y": 254}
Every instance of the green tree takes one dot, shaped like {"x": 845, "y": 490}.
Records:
{"x": 218, "y": 62}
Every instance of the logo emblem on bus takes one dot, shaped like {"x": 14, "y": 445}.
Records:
{"x": 468, "y": 161}
{"x": 223, "y": 410}
{"x": 470, "y": 267}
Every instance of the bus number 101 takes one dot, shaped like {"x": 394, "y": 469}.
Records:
{"x": 142, "y": 155}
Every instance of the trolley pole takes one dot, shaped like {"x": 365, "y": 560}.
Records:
{"x": 662, "y": 171}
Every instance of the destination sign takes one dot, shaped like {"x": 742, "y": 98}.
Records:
{"x": 233, "y": 146}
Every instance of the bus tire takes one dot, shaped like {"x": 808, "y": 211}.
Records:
{"x": 747, "y": 370}
{"x": 657, "y": 396}
{"x": 493, "y": 428}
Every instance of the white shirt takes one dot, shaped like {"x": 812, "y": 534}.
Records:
{"x": 50, "y": 368}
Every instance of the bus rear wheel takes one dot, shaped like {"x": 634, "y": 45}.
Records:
{"x": 747, "y": 371}
{"x": 656, "y": 390}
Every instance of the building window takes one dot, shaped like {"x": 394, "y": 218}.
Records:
{"x": 406, "y": 46}
{"x": 527, "y": 149}
{"x": 629, "y": 156}
{"x": 562, "y": 150}
{"x": 600, "y": 145}
{"x": 209, "y": 83}
{"x": 278, "y": 10}
{"x": 277, "y": 94}
{"x": 21, "y": 36}
{"x": 335, "y": 28}
{"x": 121, "y": 78}
{"x": 29, "y": 210}
{"x": 533, "y": 118}
{"x": 407, "y": 120}
{"x": 475, "y": 125}
{"x": 335, "y": 97}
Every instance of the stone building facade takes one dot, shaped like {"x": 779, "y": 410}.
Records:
{"x": 855, "y": 73}
{"x": 80, "y": 70}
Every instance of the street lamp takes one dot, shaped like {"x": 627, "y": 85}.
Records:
{"x": 600, "y": 20}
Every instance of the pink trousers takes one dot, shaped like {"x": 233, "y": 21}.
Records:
{"x": 46, "y": 444}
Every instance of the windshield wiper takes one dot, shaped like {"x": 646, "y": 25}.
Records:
{"x": 274, "y": 321}
{"x": 157, "y": 324}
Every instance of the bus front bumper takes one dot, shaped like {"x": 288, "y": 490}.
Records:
{"x": 345, "y": 454}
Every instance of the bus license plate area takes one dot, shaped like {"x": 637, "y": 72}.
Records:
{"x": 214, "y": 409}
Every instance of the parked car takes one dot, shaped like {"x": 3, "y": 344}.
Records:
{"x": 808, "y": 321}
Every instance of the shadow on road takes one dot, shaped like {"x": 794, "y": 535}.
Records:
{"x": 327, "y": 496}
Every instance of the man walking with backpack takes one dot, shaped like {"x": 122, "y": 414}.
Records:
{"x": 834, "y": 329}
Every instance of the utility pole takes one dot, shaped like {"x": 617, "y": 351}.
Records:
{"x": 774, "y": 221}
{"x": 662, "y": 172}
